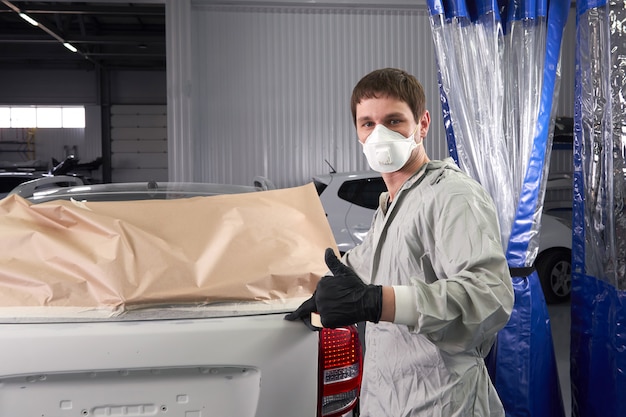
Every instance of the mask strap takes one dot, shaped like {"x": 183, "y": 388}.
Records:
{"x": 413, "y": 134}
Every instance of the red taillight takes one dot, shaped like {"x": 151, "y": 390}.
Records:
{"x": 340, "y": 370}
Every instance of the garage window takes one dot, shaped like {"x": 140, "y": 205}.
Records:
{"x": 42, "y": 117}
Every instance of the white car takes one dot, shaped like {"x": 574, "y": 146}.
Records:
{"x": 350, "y": 199}
{"x": 229, "y": 358}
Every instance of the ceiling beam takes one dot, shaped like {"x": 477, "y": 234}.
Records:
{"x": 49, "y": 31}
{"x": 110, "y": 40}
{"x": 81, "y": 8}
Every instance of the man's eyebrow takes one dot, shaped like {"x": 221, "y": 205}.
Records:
{"x": 395, "y": 115}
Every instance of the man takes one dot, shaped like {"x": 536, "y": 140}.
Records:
{"x": 430, "y": 277}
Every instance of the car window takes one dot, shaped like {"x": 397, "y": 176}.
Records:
{"x": 10, "y": 182}
{"x": 319, "y": 186}
{"x": 363, "y": 192}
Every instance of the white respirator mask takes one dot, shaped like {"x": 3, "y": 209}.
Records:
{"x": 388, "y": 151}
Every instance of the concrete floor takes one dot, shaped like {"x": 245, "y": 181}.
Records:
{"x": 560, "y": 323}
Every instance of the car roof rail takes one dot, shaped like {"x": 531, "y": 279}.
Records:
{"x": 263, "y": 183}
{"x": 29, "y": 188}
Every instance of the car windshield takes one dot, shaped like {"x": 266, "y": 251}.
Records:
{"x": 136, "y": 191}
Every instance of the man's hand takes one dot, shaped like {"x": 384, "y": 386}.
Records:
{"x": 344, "y": 299}
{"x": 304, "y": 313}
{"x": 341, "y": 299}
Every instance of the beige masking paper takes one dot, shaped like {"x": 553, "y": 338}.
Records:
{"x": 263, "y": 246}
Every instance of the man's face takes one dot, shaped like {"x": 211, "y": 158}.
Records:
{"x": 390, "y": 112}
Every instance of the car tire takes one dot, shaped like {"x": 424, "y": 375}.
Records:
{"x": 554, "y": 268}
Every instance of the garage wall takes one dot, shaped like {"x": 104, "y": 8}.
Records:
{"x": 271, "y": 85}
{"x": 138, "y": 143}
{"x": 264, "y": 89}
{"x": 81, "y": 87}
{"x": 48, "y": 86}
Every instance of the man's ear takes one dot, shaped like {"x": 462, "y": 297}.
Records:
{"x": 424, "y": 124}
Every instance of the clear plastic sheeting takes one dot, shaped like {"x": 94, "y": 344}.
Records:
{"x": 524, "y": 57}
{"x": 598, "y": 335}
{"x": 602, "y": 37}
{"x": 524, "y": 62}
{"x": 499, "y": 75}
{"x": 491, "y": 70}
{"x": 469, "y": 56}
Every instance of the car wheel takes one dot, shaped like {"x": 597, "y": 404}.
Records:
{"x": 554, "y": 268}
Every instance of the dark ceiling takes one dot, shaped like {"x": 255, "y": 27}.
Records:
{"x": 106, "y": 35}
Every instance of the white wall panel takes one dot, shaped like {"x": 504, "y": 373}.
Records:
{"x": 138, "y": 175}
{"x": 179, "y": 86}
{"x": 139, "y": 160}
{"x": 125, "y": 120}
{"x": 270, "y": 83}
{"x": 144, "y": 131}
{"x": 139, "y": 110}
{"x": 138, "y": 143}
{"x": 271, "y": 86}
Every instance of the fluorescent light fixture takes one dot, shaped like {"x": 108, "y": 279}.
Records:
{"x": 29, "y": 19}
{"x": 70, "y": 46}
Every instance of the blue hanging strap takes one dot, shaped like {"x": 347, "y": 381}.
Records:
{"x": 542, "y": 8}
{"x": 485, "y": 7}
{"x": 455, "y": 8}
{"x": 584, "y": 5}
{"x": 435, "y": 7}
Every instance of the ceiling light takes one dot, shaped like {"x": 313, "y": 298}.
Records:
{"x": 70, "y": 46}
{"x": 29, "y": 19}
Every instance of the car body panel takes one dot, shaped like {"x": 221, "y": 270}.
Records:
{"x": 240, "y": 366}
{"x": 554, "y": 233}
{"x": 11, "y": 179}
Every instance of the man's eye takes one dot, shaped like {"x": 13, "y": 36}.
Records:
{"x": 395, "y": 122}
{"x": 368, "y": 124}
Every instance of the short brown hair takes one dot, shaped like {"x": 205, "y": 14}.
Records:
{"x": 390, "y": 82}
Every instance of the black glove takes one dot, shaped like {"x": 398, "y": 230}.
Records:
{"x": 304, "y": 313}
{"x": 344, "y": 299}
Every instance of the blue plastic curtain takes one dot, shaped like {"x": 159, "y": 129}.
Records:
{"x": 498, "y": 79}
{"x": 598, "y": 333}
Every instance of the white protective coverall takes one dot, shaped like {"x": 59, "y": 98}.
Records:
{"x": 438, "y": 245}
